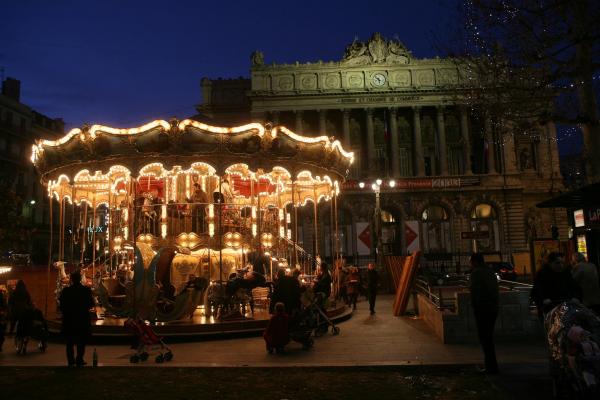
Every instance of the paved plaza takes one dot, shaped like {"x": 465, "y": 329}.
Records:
{"x": 364, "y": 340}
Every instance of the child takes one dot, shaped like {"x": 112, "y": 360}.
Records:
{"x": 277, "y": 333}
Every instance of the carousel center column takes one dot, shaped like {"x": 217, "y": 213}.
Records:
{"x": 418, "y": 143}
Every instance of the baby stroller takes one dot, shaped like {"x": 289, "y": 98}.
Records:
{"x": 574, "y": 346}
{"x": 311, "y": 320}
{"x": 147, "y": 342}
{"x": 31, "y": 325}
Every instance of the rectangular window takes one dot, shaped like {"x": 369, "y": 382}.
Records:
{"x": 23, "y": 125}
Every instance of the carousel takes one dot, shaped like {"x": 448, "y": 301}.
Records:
{"x": 176, "y": 217}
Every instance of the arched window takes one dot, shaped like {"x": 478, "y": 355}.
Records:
{"x": 484, "y": 221}
{"x": 436, "y": 230}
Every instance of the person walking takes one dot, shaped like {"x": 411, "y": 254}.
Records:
{"x": 372, "y": 282}
{"x": 484, "y": 301}
{"x": 353, "y": 287}
{"x": 75, "y": 304}
{"x": 585, "y": 275}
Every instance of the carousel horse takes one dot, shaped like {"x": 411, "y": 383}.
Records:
{"x": 226, "y": 299}
{"x": 62, "y": 279}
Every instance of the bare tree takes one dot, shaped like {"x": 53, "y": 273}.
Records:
{"x": 534, "y": 61}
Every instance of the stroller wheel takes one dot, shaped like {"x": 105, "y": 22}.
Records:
{"x": 134, "y": 359}
{"x": 144, "y": 356}
{"x": 168, "y": 356}
{"x": 159, "y": 359}
{"x": 335, "y": 330}
{"x": 308, "y": 344}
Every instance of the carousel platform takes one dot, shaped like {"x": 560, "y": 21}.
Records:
{"x": 198, "y": 325}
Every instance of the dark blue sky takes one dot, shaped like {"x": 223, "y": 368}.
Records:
{"x": 122, "y": 63}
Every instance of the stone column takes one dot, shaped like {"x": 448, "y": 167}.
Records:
{"x": 370, "y": 141}
{"x": 418, "y": 158}
{"x": 553, "y": 150}
{"x": 394, "y": 143}
{"x": 464, "y": 131}
{"x": 346, "y": 127}
{"x": 299, "y": 122}
{"x": 441, "y": 131}
{"x": 275, "y": 116}
{"x": 491, "y": 151}
{"x": 323, "y": 122}
{"x": 510, "y": 156}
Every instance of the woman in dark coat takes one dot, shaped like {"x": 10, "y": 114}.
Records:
{"x": 19, "y": 308}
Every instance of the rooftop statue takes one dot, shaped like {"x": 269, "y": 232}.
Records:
{"x": 376, "y": 51}
{"x": 258, "y": 59}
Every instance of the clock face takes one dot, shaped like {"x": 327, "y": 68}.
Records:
{"x": 379, "y": 79}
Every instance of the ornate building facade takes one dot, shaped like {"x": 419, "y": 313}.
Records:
{"x": 20, "y": 126}
{"x": 450, "y": 183}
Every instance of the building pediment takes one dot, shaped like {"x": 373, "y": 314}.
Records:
{"x": 377, "y": 65}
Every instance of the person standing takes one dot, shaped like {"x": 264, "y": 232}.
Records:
{"x": 19, "y": 305}
{"x": 585, "y": 275}
{"x": 353, "y": 287}
{"x": 484, "y": 301}
{"x": 553, "y": 284}
{"x": 75, "y": 304}
{"x": 372, "y": 282}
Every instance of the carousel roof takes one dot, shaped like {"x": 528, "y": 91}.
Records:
{"x": 183, "y": 143}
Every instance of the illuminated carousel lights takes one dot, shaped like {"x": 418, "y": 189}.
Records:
{"x": 217, "y": 129}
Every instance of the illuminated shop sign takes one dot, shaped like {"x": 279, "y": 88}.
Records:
{"x": 579, "y": 218}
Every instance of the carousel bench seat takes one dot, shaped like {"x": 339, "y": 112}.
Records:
{"x": 116, "y": 291}
{"x": 260, "y": 296}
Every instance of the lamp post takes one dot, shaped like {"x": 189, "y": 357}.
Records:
{"x": 376, "y": 187}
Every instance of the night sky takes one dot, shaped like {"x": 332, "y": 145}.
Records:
{"x": 123, "y": 63}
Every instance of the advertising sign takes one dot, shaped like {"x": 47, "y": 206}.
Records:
{"x": 579, "y": 218}
{"x": 363, "y": 238}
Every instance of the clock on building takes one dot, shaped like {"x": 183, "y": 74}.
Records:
{"x": 378, "y": 79}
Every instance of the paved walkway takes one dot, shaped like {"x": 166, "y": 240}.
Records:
{"x": 364, "y": 340}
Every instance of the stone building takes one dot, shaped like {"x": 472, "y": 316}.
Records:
{"x": 20, "y": 125}
{"x": 450, "y": 185}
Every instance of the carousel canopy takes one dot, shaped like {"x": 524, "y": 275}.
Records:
{"x": 180, "y": 145}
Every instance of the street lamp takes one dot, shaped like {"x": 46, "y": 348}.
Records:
{"x": 377, "y": 223}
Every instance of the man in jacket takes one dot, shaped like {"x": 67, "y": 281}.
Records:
{"x": 75, "y": 304}
{"x": 484, "y": 301}
{"x": 553, "y": 284}
{"x": 585, "y": 275}
{"x": 372, "y": 282}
